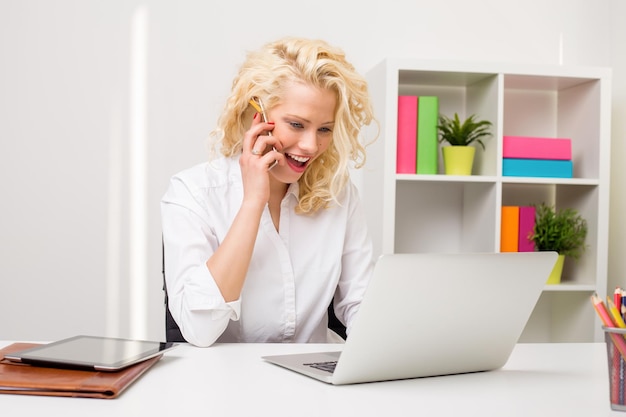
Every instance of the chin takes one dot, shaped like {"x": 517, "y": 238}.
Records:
{"x": 285, "y": 174}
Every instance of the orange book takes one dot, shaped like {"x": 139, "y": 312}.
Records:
{"x": 509, "y": 231}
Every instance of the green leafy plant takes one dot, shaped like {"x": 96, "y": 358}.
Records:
{"x": 454, "y": 132}
{"x": 563, "y": 231}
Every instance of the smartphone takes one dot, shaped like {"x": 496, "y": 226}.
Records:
{"x": 258, "y": 106}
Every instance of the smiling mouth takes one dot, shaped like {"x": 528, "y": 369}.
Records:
{"x": 299, "y": 161}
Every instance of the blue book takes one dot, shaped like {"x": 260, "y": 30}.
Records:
{"x": 514, "y": 167}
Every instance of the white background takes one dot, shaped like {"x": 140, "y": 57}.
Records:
{"x": 102, "y": 101}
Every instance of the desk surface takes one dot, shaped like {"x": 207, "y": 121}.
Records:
{"x": 231, "y": 379}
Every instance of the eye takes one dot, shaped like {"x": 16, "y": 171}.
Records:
{"x": 325, "y": 130}
{"x": 296, "y": 125}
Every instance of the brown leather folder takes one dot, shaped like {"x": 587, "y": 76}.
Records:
{"x": 18, "y": 378}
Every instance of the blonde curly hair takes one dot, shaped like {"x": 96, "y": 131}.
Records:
{"x": 265, "y": 73}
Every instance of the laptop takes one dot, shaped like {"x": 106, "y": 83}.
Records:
{"x": 91, "y": 353}
{"x": 433, "y": 314}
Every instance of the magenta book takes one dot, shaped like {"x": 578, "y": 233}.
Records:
{"x": 526, "y": 147}
{"x": 406, "y": 152}
{"x": 526, "y": 226}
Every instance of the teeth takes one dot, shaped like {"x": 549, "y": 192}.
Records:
{"x": 301, "y": 159}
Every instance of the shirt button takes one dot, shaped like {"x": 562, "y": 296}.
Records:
{"x": 291, "y": 317}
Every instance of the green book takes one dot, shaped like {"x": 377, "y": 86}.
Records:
{"x": 427, "y": 134}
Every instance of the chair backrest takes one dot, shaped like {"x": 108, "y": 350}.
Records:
{"x": 172, "y": 331}
{"x": 333, "y": 322}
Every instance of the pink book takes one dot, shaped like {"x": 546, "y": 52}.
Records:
{"x": 406, "y": 152}
{"x": 526, "y": 226}
{"x": 526, "y": 147}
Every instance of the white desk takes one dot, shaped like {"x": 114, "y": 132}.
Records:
{"x": 231, "y": 380}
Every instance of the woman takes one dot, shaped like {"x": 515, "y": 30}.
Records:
{"x": 260, "y": 239}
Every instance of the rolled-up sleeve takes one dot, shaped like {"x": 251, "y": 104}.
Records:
{"x": 189, "y": 240}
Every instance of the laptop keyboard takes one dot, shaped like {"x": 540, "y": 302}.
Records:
{"x": 323, "y": 366}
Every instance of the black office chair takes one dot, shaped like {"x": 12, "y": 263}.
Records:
{"x": 333, "y": 322}
{"x": 173, "y": 333}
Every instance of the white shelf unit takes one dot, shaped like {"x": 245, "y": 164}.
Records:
{"x": 442, "y": 213}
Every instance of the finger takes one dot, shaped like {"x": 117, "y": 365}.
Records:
{"x": 269, "y": 159}
{"x": 277, "y": 158}
{"x": 264, "y": 144}
{"x": 260, "y": 146}
{"x": 257, "y": 128}
{"x": 266, "y": 127}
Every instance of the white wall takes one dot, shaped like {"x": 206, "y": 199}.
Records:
{"x": 617, "y": 220}
{"x": 102, "y": 101}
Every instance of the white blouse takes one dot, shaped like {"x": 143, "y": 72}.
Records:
{"x": 293, "y": 274}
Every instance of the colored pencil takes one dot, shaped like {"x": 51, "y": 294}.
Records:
{"x": 616, "y": 315}
{"x": 618, "y": 342}
{"x": 604, "y": 315}
{"x": 618, "y": 361}
{"x": 600, "y": 308}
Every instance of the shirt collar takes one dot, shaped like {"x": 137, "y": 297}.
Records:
{"x": 294, "y": 189}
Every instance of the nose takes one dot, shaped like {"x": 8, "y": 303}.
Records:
{"x": 308, "y": 142}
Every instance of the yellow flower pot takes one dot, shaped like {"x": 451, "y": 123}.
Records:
{"x": 557, "y": 271}
{"x": 458, "y": 160}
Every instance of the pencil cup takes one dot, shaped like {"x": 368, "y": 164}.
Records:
{"x": 616, "y": 352}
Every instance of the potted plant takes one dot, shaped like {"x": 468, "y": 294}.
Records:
{"x": 563, "y": 231}
{"x": 459, "y": 157}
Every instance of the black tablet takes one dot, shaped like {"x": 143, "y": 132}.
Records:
{"x": 91, "y": 353}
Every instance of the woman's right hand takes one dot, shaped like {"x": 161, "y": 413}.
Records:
{"x": 259, "y": 154}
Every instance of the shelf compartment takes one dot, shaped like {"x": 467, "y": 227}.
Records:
{"x": 465, "y": 93}
{"x": 561, "y": 317}
{"x": 558, "y": 107}
{"x": 445, "y": 217}
{"x": 584, "y": 199}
